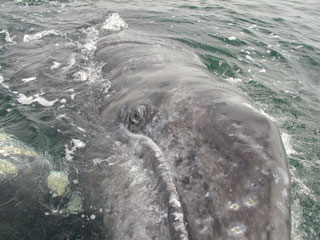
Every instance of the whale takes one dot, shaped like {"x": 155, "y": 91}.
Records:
{"x": 194, "y": 158}
{"x": 175, "y": 152}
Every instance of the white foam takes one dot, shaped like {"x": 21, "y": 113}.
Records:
{"x": 286, "y": 138}
{"x": 250, "y": 58}
{"x": 8, "y": 38}
{"x": 81, "y": 129}
{"x": 55, "y": 65}
{"x": 71, "y": 95}
{"x": 97, "y": 161}
{"x": 76, "y": 144}
{"x": 263, "y": 70}
{"x": 267, "y": 115}
{"x": 232, "y": 38}
{"x": 72, "y": 61}
{"x": 28, "y": 79}
{"x": 44, "y": 102}
{"x": 23, "y": 99}
{"x": 91, "y": 73}
{"x": 91, "y": 42}
{"x": 59, "y": 117}
{"x": 297, "y": 220}
{"x": 90, "y": 45}
{"x": 301, "y": 186}
{"x": 234, "y": 80}
{"x": 114, "y": 23}
{"x": 82, "y": 75}
{"x": 248, "y": 105}
{"x": 39, "y": 35}
{"x": 68, "y": 153}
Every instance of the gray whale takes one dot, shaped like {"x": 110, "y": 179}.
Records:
{"x": 200, "y": 162}
{"x": 181, "y": 154}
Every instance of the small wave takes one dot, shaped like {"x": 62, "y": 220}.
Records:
{"x": 28, "y": 79}
{"x": 72, "y": 62}
{"x": 287, "y": 145}
{"x": 39, "y": 35}
{"x": 3, "y": 84}
{"x": 114, "y": 23}
{"x": 29, "y": 2}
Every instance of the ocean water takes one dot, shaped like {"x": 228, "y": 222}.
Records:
{"x": 268, "y": 49}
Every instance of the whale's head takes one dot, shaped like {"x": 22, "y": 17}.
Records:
{"x": 221, "y": 162}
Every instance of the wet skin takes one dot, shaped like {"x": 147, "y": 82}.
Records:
{"x": 217, "y": 165}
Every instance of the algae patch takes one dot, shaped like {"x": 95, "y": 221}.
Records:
{"x": 75, "y": 204}
{"x": 58, "y": 183}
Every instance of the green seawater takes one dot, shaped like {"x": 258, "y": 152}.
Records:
{"x": 268, "y": 49}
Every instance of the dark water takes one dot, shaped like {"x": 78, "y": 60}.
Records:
{"x": 269, "y": 49}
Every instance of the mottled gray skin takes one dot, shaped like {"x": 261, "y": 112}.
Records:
{"x": 190, "y": 158}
